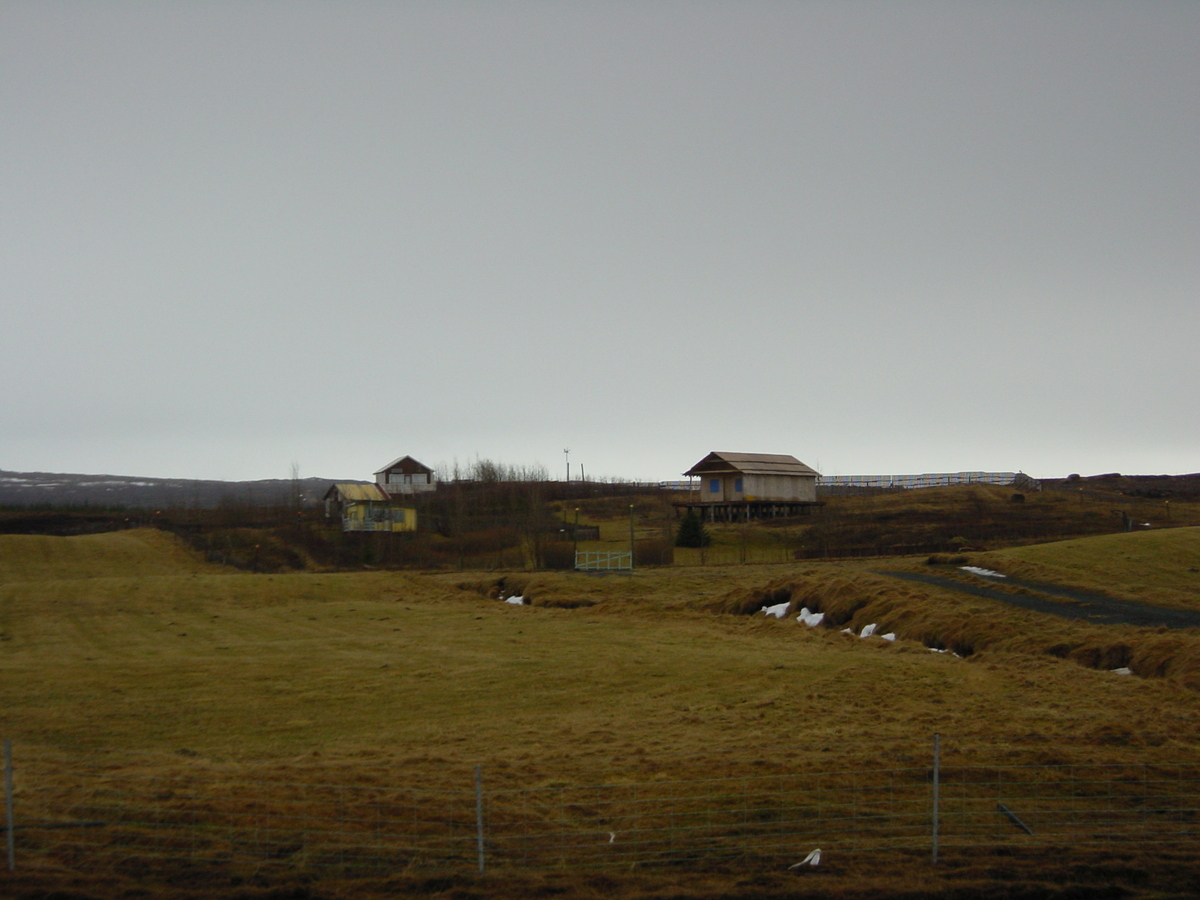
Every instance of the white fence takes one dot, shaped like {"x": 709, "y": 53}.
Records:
{"x": 940, "y": 479}
{"x": 685, "y": 485}
{"x": 603, "y": 560}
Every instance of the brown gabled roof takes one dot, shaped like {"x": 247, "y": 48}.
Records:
{"x": 751, "y": 464}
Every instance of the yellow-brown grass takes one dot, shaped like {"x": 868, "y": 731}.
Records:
{"x": 122, "y": 651}
{"x": 597, "y": 669}
{"x": 138, "y": 552}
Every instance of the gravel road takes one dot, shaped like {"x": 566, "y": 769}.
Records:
{"x": 1057, "y": 600}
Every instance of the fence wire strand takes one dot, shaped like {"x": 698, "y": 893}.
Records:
{"x": 120, "y": 819}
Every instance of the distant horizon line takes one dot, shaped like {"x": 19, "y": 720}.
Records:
{"x": 833, "y": 479}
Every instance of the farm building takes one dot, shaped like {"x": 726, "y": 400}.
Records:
{"x": 737, "y": 486}
{"x": 366, "y": 507}
{"x": 406, "y": 476}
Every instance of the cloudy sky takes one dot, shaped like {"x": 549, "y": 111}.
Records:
{"x": 885, "y": 237}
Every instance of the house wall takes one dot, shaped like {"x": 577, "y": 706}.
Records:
{"x": 378, "y": 517}
{"x": 726, "y": 485}
{"x": 780, "y": 487}
{"x": 396, "y": 482}
{"x": 756, "y": 487}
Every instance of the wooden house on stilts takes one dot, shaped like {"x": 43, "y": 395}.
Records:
{"x": 737, "y": 487}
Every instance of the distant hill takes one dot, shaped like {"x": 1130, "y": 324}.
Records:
{"x": 1151, "y": 486}
{"x": 31, "y": 489}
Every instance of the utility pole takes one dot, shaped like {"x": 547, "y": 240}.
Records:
{"x": 567, "y": 454}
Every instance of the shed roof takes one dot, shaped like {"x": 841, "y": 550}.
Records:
{"x": 359, "y": 493}
{"x": 752, "y": 464}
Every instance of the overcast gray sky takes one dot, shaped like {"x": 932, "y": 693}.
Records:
{"x": 883, "y": 237}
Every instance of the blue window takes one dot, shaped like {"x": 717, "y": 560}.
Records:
{"x": 737, "y": 485}
{"x": 714, "y": 485}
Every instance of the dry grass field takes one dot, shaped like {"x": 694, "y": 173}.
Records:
{"x": 124, "y": 653}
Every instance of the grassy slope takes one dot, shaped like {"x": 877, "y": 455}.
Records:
{"x": 119, "y": 553}
{"x": 1152, "y": 566}
{"x": 120, "y": 650}
{"x": 426, "y": 667}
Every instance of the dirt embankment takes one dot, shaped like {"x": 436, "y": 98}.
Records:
{"x": 1087, "y": 628}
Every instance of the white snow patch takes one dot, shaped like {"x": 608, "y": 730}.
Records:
{"x": 936, "y": 650}
{"x": 813, "y": 859}
{"x": 811, "y": 619}
{"x": 515, "y": 600}
{"x": 986, "y": 573}
{"x": 778, "y": 611}
{"x": 1124, "y": 670}
{"x": 869, "y": 631}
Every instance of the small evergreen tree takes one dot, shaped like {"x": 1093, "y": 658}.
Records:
{"x": 692, "y": 532}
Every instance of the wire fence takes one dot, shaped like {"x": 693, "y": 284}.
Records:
{"x": 85, "y": 820}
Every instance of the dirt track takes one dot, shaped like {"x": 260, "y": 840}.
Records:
{"x": 1075, "y": 604}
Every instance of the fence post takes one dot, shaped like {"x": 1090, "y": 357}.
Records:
{"x": 479, "y": 813}
{"x": 632, "y": 544}
{"x": 8, "y": 805}
{"x": 937, "y": 774}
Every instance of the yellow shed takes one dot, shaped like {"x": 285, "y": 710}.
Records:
{"x": 365, "y": 507}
